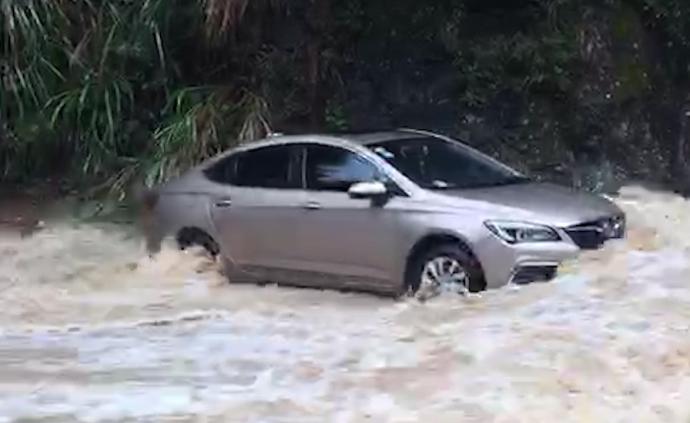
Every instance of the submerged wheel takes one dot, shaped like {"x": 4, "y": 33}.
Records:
{"x": 445, "y": 268}
{"x": 191, "y": 237}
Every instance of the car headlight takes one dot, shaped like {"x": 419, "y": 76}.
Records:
{"x": 522, "y": 232}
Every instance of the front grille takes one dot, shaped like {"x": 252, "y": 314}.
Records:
{"x": 592, "y": 235}
{"x": 530, "y": 274}
{"x": 587, "y": 239}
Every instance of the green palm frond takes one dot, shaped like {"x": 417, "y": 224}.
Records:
{"x": 203, "y": 121}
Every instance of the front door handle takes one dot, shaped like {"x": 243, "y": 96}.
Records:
{"x": 312, "y": 205}
{"x": 225, "y": 203}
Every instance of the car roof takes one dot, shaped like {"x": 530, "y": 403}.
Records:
{"x": 359, "y": 138}
{"x": 345, "y": 139}
{"x": 365, "y": 138}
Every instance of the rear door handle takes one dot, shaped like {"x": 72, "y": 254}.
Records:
{"x": 312, "y": 205}
{"x": 225, "y": 203}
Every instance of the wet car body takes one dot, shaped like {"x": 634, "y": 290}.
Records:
{"x": 389, "y": 212}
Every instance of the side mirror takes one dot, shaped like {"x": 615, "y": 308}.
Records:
{"x": 370, "y": 190}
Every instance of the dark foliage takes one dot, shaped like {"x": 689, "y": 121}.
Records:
{"x": 106, "y": 92}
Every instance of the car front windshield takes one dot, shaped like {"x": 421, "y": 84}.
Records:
{"x": 435, "y": 163}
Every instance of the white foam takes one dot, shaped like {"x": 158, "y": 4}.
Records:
{"x": 90, "y": 331}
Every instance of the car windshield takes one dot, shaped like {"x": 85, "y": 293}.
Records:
{"x": 434, "y": 163}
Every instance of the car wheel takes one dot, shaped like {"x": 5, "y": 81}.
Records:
{"x": 445, "y": 268}
{"x": 192, "y": 237}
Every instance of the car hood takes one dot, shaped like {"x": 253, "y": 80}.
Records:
{"x": 549, "y": 204}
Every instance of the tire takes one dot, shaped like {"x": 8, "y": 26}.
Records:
{"x": 449, "y": 257}
{"x": 191, "y": 237}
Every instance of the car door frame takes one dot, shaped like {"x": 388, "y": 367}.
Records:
{"x": 246, "y": 246}
{"x": 324, "y": 269}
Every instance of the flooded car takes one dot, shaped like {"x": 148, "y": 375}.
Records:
{"x": 391, "y": 212}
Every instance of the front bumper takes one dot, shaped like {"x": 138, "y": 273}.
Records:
{"x": 531, "y": 262}
{"x": 534, "y": 273}
{"x": 505, "y": 263}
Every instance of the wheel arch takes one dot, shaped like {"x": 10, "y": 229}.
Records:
{"x": 188, "y": 236}
{"x": 435, "y": 239}
{"x": 177, "y": 213}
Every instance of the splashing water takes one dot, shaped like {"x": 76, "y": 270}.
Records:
{"x": 93, "y": 330}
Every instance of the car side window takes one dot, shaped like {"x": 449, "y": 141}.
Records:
{"x": 270, "y": 167}
{"x": 336, "y": 169}
{"x": 224, "y": 171}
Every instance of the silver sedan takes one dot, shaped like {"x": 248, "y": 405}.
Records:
{"x": 393, "y": 212}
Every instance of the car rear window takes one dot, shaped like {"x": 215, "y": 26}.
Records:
{"x": 223, "y": 172}
{"x": 267, "y": 167}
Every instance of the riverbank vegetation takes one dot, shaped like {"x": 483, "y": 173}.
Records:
{"x": 103, "y": 93}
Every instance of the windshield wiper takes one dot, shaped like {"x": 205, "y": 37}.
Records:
{"x": 517, "y": 180}
{"x": 443, "y": 186}
{"x": 437, "y": 184}
{"x": 504, "y": 182}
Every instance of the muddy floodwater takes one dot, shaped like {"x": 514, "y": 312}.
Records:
{"x": 93, "y": 330}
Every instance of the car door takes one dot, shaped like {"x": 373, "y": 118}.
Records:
{"x": 258, "y": 213}
{"x": 346, "y": 241}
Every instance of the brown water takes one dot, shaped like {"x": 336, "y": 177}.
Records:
{"x": 93, "y": 330}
